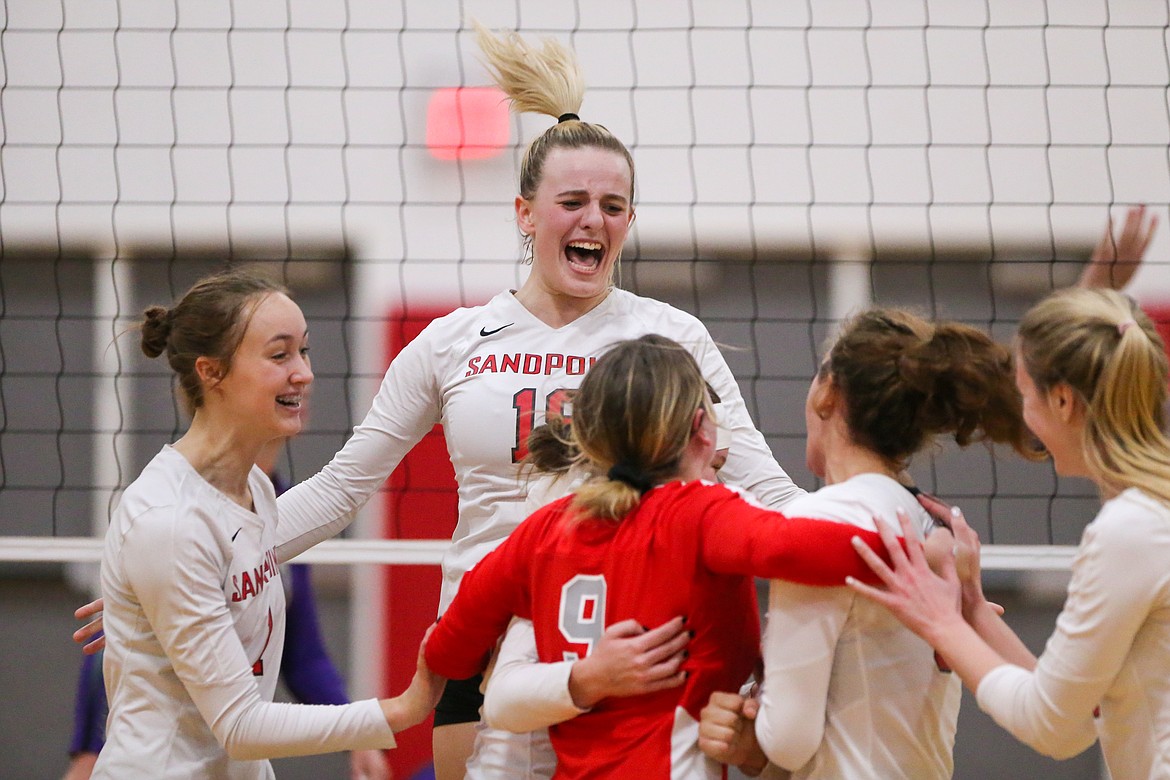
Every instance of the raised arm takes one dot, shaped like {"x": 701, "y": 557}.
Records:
{"x": 1117, "y": 257}
{"x": 404, "y": 410}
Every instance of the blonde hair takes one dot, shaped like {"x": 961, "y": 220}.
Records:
{"x": 1103, "y": 346}
{"x": 545, "y": 80}
{"x": 632, "y": 420}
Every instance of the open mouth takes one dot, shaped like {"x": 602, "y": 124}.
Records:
{"x": 290, "y": 401}
{"x": 585, "y": 255}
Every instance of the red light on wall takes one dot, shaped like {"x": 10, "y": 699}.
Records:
{"x": 467, "y": 123}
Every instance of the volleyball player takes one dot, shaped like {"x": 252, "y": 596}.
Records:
{"x": 648, "y": 540}
{"x": 194, "y": 606}
{"x": 1092, "y": 371}
{"x": 847, "y": 690}
{"x": 306, "y": 668}
{"x": 524, "y": 695}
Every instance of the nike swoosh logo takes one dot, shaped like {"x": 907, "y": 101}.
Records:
{"x": 237, "y": 533}
{"x": 486, "y": 332}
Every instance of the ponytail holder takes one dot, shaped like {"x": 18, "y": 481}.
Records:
{"x": 565, "y": 117}
{"x": 628, "y": 474}
{"x": 1125, "y": 325}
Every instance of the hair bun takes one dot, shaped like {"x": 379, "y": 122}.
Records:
{"x": 156, "y": 330}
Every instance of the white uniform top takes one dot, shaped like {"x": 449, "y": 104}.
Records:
{"x": 848, "y": 691}
{"x": 194, "y": 620}
{"x": 1111, "y": 648}
{"x": 490, "y": 374}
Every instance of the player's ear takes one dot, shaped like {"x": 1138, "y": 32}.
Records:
{"x": 209, "y": 370}
{"x": 524, "y": 216}
{"x": 825, "y": 396}
{"x": 1065, "y": 402}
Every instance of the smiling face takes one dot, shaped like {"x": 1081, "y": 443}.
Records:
{"x": 578, "y": 221}
{"x": 1056, "y": 418}
{"x": 268, "y": 382}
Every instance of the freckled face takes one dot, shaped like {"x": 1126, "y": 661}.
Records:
{"x": 578, "y": 221}
{"x": 270, "y": 373}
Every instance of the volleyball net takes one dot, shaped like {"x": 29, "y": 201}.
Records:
{"x": 795, "y": 162}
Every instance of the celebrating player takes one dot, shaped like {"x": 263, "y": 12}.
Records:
{"x": 1092, "y": 371}
{"x": 490, "y": 373}
{"x": 646, "y": 541}
{"x": 194, "y": 608}
{"x": 305, "y": 668}
{"x": 524, "y": 695}
{"x": 842, "y": 676}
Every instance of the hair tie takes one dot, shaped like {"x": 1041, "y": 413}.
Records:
{"x": 630, "y": 475}
{"x": 1125, "y": 325}
{"x": 565, "y": 117}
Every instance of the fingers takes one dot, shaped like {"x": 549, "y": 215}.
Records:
{"x": 1135, "y": 235}
{"x": 936, "y": 508}
{"x": 1105, "y": 249}
{"x": 869, "y": 591}
{"x": 91, "y": 637}
{"x": 751, "y": 708}
{"x": 719, "y": 723}
{"x": 872, "y": 559}
{"x": 625, "y": 629}
{"x": 666, "y": 641}
{"x": 724, "y": 707}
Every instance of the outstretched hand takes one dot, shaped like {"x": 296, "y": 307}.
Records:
{"x": 90, "y": 636}
{"x": 1118, "y": 257}
{"x": 924, "y": 601}
{"x": 630, "y": 660}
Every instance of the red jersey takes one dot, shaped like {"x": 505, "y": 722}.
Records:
{"x": 687, "y": 549}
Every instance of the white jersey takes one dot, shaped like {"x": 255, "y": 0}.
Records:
{"x": 1111, "y": 649}
{"x": 848, "y": 691}
{"x": 194, "y": 620}
{"x": 490, "y": 374}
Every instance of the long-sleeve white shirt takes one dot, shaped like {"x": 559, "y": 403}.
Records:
{"x": 194, "y": 621}
{"x": 1111, "y": 648}
{"x": 849, "y": 692}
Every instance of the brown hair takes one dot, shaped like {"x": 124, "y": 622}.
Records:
{"x": 545, "y": 80}
{"x": 632, "y": 421}
{"x": 1103, "y": 346}
{"x": 208, "y": 321}
{"x": 905, "y": 380}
